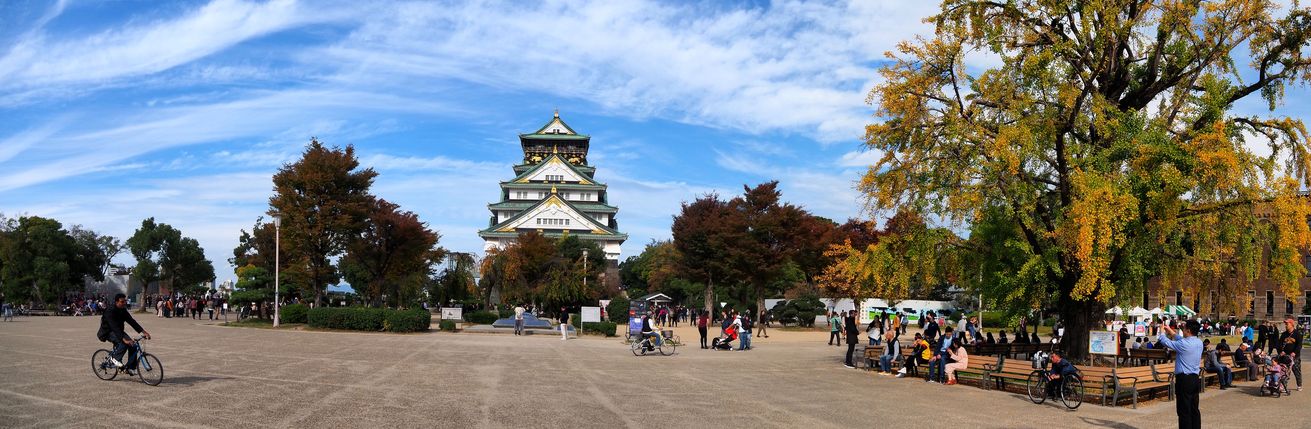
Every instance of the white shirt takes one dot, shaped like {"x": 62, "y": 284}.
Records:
{"x": 518, "y": 313}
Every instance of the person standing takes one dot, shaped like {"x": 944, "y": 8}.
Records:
{"x": 1247, "y": 333}
{"x": 564, "y": 324}
{"x": 833, "y": 324}
{"x": 1262, "y": 336}
{"x": 518, "y": 319}
{"x": 764, "y": 322}
{"x": 931, "y": 328}
{"x": 853, "y": 337}
{"x": 701, "y": 323}
{"x": 1292, "y": 346}
{"x": 1188, "y": 352}
{"x": 744, "y": 326}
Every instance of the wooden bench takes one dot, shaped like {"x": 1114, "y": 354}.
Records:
{"x": 978, "y": 369}
{"x": 988, "y": 349}
{"x": 872, "y": 355}
{"x": 1007, "y": 369}
{"x": 1151, "y": 356}
{"x": 1131, "y": 381}
{"x": 1165, "y": 371}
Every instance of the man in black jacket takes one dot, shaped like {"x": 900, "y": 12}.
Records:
{"x": 1291, "y": 344}
{"x": 111, "y": 330}
{"x": 853, "y": 337}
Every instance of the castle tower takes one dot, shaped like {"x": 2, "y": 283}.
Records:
{"x": 554, "y": 192}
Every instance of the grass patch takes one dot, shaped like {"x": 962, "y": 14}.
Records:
{"x": 255, "y": 322}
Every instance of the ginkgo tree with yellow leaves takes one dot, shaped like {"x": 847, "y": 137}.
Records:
{"x": 1100, "y": 149}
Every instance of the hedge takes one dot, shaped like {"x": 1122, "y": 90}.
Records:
{"x": 447, "y": 325}
{"x": 481, "y": 317}
{"x": 603, "y": 328}
{"x": 369, "y": 319}
{"x": 504, "y": 313}
{"x": 412, "y": 320}
{"x": 295, "y": 313}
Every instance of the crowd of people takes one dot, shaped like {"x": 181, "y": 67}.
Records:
{"x": 193, "y": 306}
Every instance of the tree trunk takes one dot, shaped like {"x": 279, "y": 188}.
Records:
{"x": 1078, "y": 317}
{"x": 710, "y": 298}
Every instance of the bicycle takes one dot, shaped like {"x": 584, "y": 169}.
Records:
{"x": 1070, "y": 394}
{"x": 668, "y": 344}
{"x": 148, "y": 369}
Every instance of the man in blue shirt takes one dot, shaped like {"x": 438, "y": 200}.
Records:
{"x": 1188, "y": 357}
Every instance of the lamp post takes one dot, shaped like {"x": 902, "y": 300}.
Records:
{"x": 277, "y": 267}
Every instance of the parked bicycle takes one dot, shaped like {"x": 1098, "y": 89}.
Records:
{"x": 1070, "y": 392}
{"x": 666, "y": 346}
{"x": 148, "y": 368}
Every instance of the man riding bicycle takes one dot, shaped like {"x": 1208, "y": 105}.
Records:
{"x": 111, "y": 330}
{"x": 649, "y": 332}
{"x": 1061, "y": 369}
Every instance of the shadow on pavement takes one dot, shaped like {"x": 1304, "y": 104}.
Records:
{"x": 189, "y": 380}
{"x": 1106, "y": 423}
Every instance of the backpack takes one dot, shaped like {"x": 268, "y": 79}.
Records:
{"x": 747, "y": 324}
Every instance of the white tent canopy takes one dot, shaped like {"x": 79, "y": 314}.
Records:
{"x": 1115, "y": 310}
{"x": 1157, "y": 311}
{"x": 1139, "y": 312}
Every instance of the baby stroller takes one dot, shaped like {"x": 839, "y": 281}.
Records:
{"x": 1276, "y": 383}
{"x": 725, "y": 342}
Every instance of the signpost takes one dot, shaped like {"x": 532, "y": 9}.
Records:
{"x": 453, "y": 313}
{"x": 591, "y": 314}
{"x": 1104, "y": 343}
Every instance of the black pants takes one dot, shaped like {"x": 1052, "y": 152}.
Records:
{"x": 851, "y": 349}
{"x": 702, "y": 330}
{"x": 1297, "y": 369}
{"x": 835, "y": 336}
{"x": 1187, "y": 386}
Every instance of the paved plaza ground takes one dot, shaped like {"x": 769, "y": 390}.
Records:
{"x": 228, "y": 377}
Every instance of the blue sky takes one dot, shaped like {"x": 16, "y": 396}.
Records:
{"x": 111, "y": 112}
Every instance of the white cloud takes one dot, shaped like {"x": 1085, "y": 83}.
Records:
{"x": 66, "y": 154}
{"x": 791, "y": 67}
{"x": 151, "y": 47}
{"x": 859, "y": 158}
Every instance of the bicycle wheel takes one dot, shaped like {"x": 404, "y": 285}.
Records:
{"x": 637, "y": 348}
{"x": 1037, "y": 387}
{"x": 150, "y": 370}
{"x": 101, "y": 365}
{"x": 1072, "y": 393}
{"x": 667, "y": 347}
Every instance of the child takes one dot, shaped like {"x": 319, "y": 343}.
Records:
{"x": 1273, "y": 371}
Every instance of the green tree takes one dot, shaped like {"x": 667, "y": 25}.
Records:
{"x": 162, "y": 253}
{"x": 392, "y": 257}
{"x": 456, "y": 281}
{"x": 254, "y": 284}
{"x": 40, "y": 261}
{"x": 1102, "y": 149}
{"x": 324, "y": 202}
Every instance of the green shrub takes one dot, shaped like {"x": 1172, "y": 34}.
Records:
{"x": 603, "y": 328}
{"x": 617, "y": 311}
{"x": 504, "y": 313}
{"x": 412, "y": 320}
{"x": 295, "y": 313}
{"x": 481, "y": 317}
{"x": 349, "y": 318}
{"x": 447, "y": 325}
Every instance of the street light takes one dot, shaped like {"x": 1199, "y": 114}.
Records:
{"x": 277, "y": 266}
